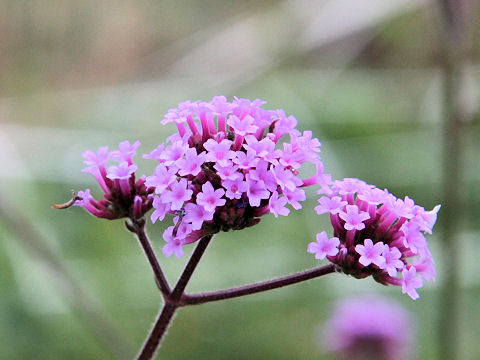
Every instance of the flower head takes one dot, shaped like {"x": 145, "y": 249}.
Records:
{"x": 124, "y": 196}
{"x": 222, "y": 169}
{"x": 379, "y": 234}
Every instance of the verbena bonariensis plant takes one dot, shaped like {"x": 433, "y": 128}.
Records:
{"x": 228, "y": 164}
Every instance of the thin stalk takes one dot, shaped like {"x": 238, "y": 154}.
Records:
{"x": 201, "y": 298}
{"x": 138, "y": 228}
{"x": 190, "y": 268}
{"x": 171, "y": 303}
{"x": 158, "y": 331}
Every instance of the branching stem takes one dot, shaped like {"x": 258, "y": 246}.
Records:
{"x": 171, "y": 302}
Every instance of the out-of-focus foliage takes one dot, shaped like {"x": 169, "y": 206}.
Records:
{"x": 82, "y": 74}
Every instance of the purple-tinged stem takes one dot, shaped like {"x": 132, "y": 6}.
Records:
{"x": 176, "y": 298}
{"x": 195, "y": 299}
{"x": 189, "y": 269}
{"x": 158, "y": 331}
{"x": 171, "y": 303}
{"x": 138, "y": 227}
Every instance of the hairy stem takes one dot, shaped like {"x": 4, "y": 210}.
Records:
{"x": 158, "y": 331}
{"x": 194, "y": 299}
{"x": 171, "y": 303}
{"x": 138, "y": 227}
{"x": 189, "y": 269}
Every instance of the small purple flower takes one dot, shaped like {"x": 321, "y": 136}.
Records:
{"x": 210, "y": 198}
{"x": 173, "y": 153}
{"x": 229, "y": 172}
{"x": 354, "y": 218}
{"x": 161, "y": 209}
{"x": 370, "y": 254}
{"x": 234, "y": 189}
{"x": 284, "y": 124}
{"x": 122, "y": 171}
{"x": 324, "y": 246}
{"x": 294, "y": 197}
{"x": 392, "y": 260}
{"x": 291, "y": 157}
{"x": 126, "y": 151}
{"x": 277, "y": 205}
{"x": 427, "y": 218}
{"x": 330, "y": 205}
{"x": 97, "y": 158}
{"x": 174, "y": 244}
{"x": 411, "y": 282}
{"x": 308, "y": 145}
{"x": 286, "y": 178}
{"x": 242, "y": 126}
{"x": 191, "y": 163}
{"x": 177, "y": 195}
{"x": 246, "y": 160}
{"x": 196, "y": 215}
{"x": 261, "y": 172}
{"x": 260, "y": 148}
{"x": 412, "y": 237}
{"x": 256, "y": 191}
{"x": 401, "y": 208}
{"x": 219, "y": 152}
{"x": 161, "y": 179}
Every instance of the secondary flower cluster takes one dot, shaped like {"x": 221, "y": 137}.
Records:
{"x": 123, "y": 195}
{"x": 222, "y": 170}
{"x": 376, "y": 234}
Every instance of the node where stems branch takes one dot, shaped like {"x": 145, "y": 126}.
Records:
{"x": 171, "y": 303}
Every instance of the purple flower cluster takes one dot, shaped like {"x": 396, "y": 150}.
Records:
{"x": 369, "y": 328}
{"x": 123, "y": 195}
{"x": 222, "y": 169}
{"x": 376, "y": 234}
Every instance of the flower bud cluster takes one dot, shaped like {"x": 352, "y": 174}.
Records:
{"x": 124, "y": 196}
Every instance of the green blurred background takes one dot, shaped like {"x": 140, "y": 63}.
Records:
{"x": 365, "y": 76}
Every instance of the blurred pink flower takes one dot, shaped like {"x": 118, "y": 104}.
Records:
{"x": 368, "y": 328}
